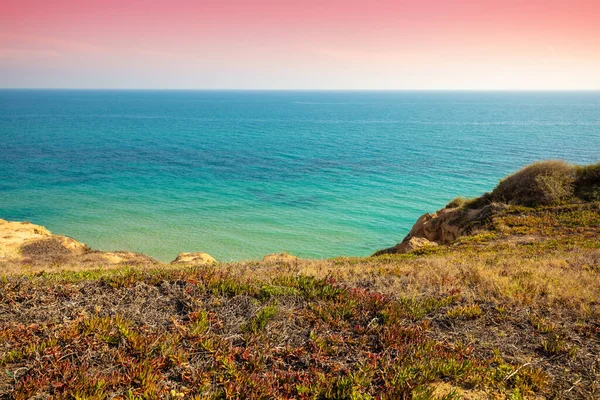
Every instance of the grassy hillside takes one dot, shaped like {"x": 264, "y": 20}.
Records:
{"x": 509, "y": 312}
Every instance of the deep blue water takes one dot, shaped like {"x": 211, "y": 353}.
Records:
{"x": 243, "y": 174}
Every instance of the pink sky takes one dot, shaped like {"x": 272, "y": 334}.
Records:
{"x": 307, "y": 44}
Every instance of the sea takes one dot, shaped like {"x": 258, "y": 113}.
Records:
{"x": 240, "y": 174}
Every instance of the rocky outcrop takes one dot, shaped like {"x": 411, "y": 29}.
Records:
{"x": 284, "y": 258}
{"x": 27, "y": 243}
{"x": 22, "y": 240}
{"x": 407, "y": 245}
{"x": 443, "y": 227}
{"x": 197, "y": 258}
{"x": 119, "y": 258}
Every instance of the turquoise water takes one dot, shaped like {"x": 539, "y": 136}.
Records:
{"x": 243, "y": 174}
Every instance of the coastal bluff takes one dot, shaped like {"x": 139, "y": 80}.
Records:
{"x": 25, "y": 243}
{"x": 550, "y": 186}
{"x": 21, "y": 240}
{"x": 444, "y": 227}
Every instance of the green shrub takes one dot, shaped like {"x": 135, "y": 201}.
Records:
{"x": 474, "y": 203}
{"x": 587, "y": 182}
{"x": 465, "y": 312}
{"x": 260, "y": 320}
{"x": 540, "y": 183}
{"x": 457, "y": 202}
{"x": 479, "y": 202}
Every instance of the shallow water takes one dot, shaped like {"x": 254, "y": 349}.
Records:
{"x": 243, "y": 174}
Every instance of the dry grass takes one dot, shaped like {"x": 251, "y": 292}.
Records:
{"x": 511, "y": 312}
{"x": 58, "y": 261}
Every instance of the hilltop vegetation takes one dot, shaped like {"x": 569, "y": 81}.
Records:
{"x": 510, "y": 310}
{"x": 544, "y": 183}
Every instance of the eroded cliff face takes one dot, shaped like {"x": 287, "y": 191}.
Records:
{"x": 27, "y": 243}
{"x": 24, "y": 243}
{"x": 443, "y": 227}
{"x": 194, "y": 258}
{"x": 20, "y": 240}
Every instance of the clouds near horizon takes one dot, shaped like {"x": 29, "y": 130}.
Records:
{"x": 326, "y": 44}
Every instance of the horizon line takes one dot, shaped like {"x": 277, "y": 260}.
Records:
{"x": 296, "y": 89}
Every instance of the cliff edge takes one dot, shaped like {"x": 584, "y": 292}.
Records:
{"x": 29, "y": 244}
{"x": 541, "y": 185}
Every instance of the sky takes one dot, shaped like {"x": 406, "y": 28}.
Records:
{"x": 301, "y": 44}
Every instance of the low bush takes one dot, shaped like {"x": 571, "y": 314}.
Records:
{"x": 587, "y": 182}
{"x": 474, "y": 203}
{"x": 457, "y": 202}
{"x": 541, "y": 183}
